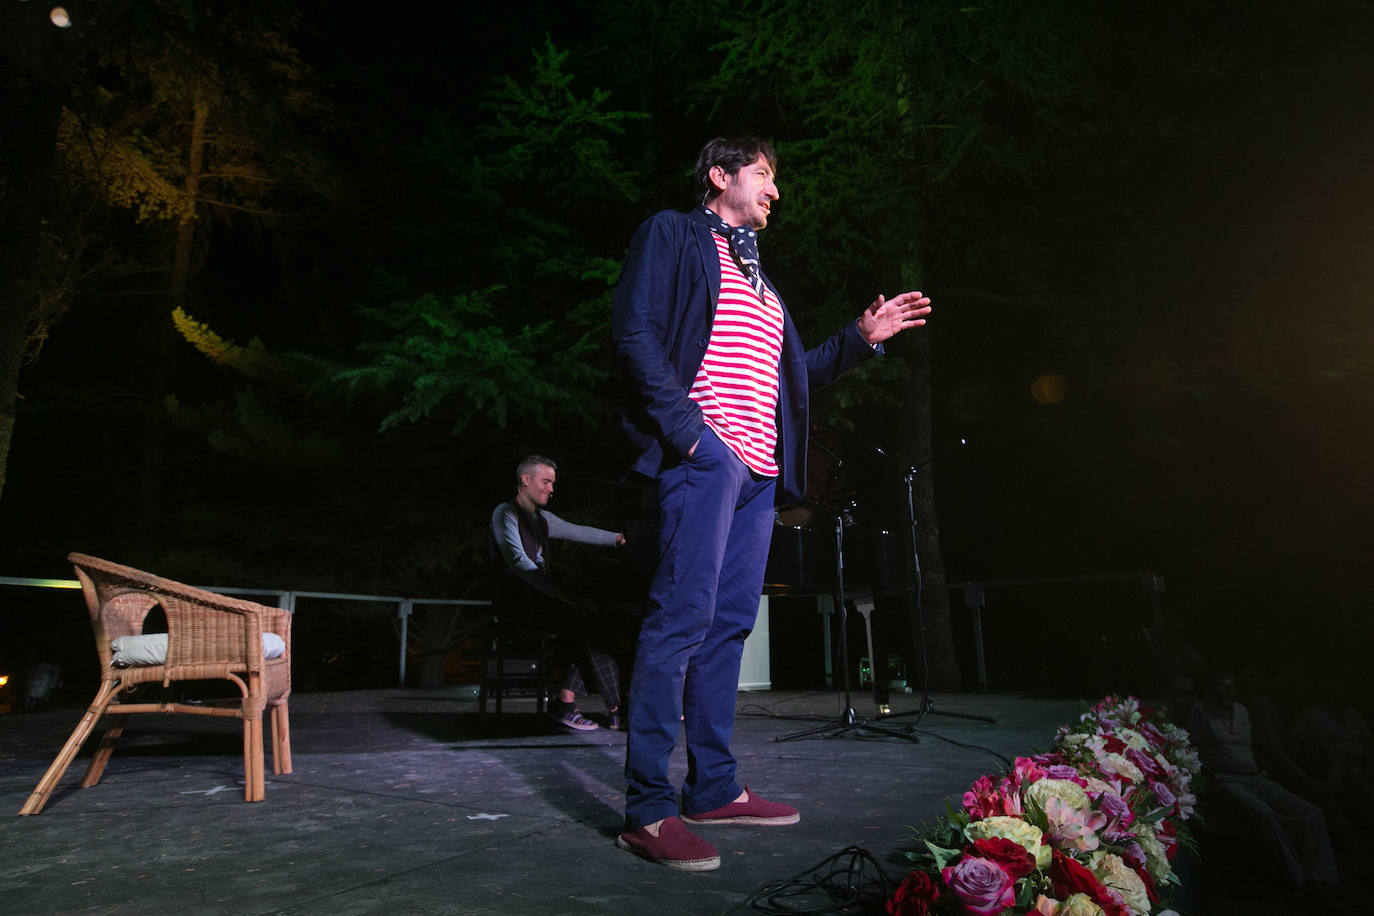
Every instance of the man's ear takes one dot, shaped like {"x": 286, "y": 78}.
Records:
{"x": 717, "y": 174}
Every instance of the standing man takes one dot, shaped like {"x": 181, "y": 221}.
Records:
{"x": 720, "y": 383}
{"x": 523, "y": 528}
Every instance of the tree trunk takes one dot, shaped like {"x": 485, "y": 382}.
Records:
{"x": 29, "y": 146}
{"x": 155, "y": 424}
{"x": 186, "y": 225}
{"x": 931, "y": 621}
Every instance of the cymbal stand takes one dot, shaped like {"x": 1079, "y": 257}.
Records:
{"x": 848, "y": 722}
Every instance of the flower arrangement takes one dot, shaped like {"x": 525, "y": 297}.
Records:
{"x": 1088, "y": 829}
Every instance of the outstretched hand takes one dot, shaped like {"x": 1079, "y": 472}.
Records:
{"x": 888, "y": 317}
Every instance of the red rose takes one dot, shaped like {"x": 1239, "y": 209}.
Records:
{"x": 914, "y": 896}
{"x": 1011, "y": 856}
{"x": 1168, "y": 838}
{"x": 1149, "y": 883}
{"x": 1068, "y": 877}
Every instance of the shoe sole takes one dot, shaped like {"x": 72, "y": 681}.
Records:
{"x": 588, "y": 727}
{"x": 710, "y": 864}
{"x": 753, "y": 819}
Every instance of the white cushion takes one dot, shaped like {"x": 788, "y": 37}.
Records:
{"x": 133, "y": 651}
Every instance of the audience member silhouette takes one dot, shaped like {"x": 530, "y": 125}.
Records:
{"x": 1292, "y": 830}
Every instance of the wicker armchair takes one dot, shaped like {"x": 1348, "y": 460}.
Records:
{"x": 209, "y": 636}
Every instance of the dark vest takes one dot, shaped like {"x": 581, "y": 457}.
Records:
{"x": 534, "y": 534}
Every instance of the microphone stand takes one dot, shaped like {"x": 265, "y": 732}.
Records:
{"x": 848, "y": 723}
{"x": 927, "y": 705}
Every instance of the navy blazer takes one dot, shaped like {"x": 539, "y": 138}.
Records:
{"x": 665, "y": 303}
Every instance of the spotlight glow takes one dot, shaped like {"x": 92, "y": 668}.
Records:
{"x": 1049, "y": 389}
{"x": 60, "y": 18}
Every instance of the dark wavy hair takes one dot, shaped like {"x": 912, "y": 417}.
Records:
{"x": 731, "y": 154}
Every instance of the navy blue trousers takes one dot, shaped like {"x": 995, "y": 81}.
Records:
{"x": 716, "y": 525}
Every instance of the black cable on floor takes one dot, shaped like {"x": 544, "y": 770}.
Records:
{"x": 968, "y": 747}
{"x": 849, "y": 882}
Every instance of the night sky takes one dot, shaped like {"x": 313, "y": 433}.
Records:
{"x": 1206, "y": 313}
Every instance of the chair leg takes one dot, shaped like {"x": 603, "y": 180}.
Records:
{"x": 64, "y": 758}
{"x": 252, "y": 759}
{"x": 484, "y": 680}
{"x": 281, "y": 739}
{"x": 484, "y": 677}
{"x": 103, "y": 752}
{"x": 500, "y": 674}
{"x": 542, "y": 686}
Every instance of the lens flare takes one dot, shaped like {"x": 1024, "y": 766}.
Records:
{"x": 1049, "y": 389}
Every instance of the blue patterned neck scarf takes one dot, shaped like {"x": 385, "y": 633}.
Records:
{"x": 744, "y": 242}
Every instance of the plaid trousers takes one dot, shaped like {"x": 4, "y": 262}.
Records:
{"x": 580, "y": 644}
{"x": 604, "y": 671}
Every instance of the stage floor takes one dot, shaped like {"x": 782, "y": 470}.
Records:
{"x": 400, "y": 804}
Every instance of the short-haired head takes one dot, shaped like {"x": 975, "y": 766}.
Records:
{"x": 731, "y": 154}
{"x": 1221, "y": 685}
{"x": 528, "y": 465}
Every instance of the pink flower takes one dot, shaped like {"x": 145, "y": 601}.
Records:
{"x": 982, "y": 886}
{"x": 1026, "y": 771}
{"x": 984, "y": 801}
{"x": 1166, "y": 796}
{"x": 1073, "y": 828}
{"x": 1119, "y": 818}
{"x": 979, "y": 799}
{"x": 1115, "y": 807}
{"x": 1064, "y": 771}
{"x": 1053, "y": 759}
{"x": 1147, "y": 763}
{"x": 1152, "y": 734}
{"x": 1186, "y": 803}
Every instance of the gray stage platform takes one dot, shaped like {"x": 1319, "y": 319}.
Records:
{"x": 399, "y": 804}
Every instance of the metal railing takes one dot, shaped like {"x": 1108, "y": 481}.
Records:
{"x": 975, "y": 599}
{"x": 287, "y": 599}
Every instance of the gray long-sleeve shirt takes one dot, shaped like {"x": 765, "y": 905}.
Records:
{"x": 533, "y": 570}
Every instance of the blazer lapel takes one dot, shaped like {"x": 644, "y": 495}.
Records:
{"x": 710, "y": 257}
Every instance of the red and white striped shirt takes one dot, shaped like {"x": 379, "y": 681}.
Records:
{"x": 737, "y": 384}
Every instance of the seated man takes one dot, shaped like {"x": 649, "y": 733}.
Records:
{"x": 1274, "y": 743}
{"x": 522, "y": 529}
{"x": 1294, "y": 830}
